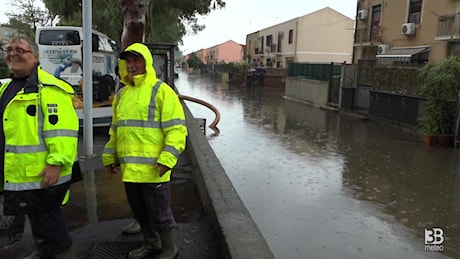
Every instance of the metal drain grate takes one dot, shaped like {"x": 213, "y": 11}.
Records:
{"x": 113, "y": 250}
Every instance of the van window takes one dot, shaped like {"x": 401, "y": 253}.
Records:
{"x": 59, "y": 37}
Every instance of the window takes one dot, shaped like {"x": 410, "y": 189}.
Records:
{"x": 280, "y": 37}
{"x": 375, "y": 23}
{"x": 59, "y": 37}
{"x": 291, "y": 36}
{"x": 415, "y": 9}
{"x": 261, "y": 49}
{"x": 269, "y": 40}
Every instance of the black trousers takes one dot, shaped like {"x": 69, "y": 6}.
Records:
{"x": 51, "y": 226}
{"x": 151, "y": 205}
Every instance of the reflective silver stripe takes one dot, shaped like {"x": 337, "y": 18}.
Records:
{"x": 109, "y": 151}
{"x": 173, "y": 122}
{"x": 152, "y": 104}
{"x": 138, "y": 160}
{"x": 60, "y": 132}
{"x": 114, "y": 127}
{"x": 138, "y": 123}
{"x": 26, "y": 148}
{"x": 172, "y": 150}
{"x": 33, "y": 185}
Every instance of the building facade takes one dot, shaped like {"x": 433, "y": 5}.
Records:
{"x": 226, "y": 52}
{"x": 323, "y": 36}
{"x": 406, "y": 32}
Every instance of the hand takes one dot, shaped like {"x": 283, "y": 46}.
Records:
{"x": 163, "y": 168}
{"x": 112, "y": 169}
{"x": 51, "y": 174}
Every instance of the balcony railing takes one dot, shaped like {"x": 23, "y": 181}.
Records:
{"x": 448, "y": 27}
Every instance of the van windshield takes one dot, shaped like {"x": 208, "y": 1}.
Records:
{"x": 59, "y": 37}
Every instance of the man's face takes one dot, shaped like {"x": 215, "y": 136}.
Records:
{"x": 21, "y": 65}
{"x": 135, "y": 65}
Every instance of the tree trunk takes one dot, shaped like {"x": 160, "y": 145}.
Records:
{"x": 133, "y": 21}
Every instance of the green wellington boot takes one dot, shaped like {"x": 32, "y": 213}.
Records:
{"x": 132, "y": 228}
{"x": 68, "y": 254}
{"x": 39, "y": 249}
{"x": 150, "y": 246}
{"x": 169, "y": 249}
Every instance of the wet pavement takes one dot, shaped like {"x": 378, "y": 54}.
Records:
{"x": 325, "y": 184}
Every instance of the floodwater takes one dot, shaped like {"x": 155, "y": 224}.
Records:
{"x": 324, "y": 184}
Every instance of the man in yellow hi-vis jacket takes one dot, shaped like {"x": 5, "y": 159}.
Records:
{"x": 38, "y": 144}
{"x": 147, "y": 135}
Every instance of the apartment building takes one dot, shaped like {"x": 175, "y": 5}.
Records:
{"x": 202, "y": 54}
{"x": 226, "y": 52}
{"x": 323, "y": 36}
{"x": 407, "y": 32}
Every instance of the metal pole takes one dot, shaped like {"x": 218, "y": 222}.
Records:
{"x": 87, "y": 79}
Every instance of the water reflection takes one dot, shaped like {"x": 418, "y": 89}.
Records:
{"x": 323, "y": 184}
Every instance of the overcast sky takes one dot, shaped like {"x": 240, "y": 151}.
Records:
{"x": 242, "y": 17}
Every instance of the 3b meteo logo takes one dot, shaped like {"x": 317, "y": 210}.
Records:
{"x": 434, "y": 238}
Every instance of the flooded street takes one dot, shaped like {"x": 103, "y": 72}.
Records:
{"x": 324, "y": 184}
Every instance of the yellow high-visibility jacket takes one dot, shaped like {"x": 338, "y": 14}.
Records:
{"x": 41, "y": 128}
{"x": 148, "y": 125}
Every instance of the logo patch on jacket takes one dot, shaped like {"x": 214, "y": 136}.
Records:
{"x": 31, "y": 110}
{"x": 52, "y": 114}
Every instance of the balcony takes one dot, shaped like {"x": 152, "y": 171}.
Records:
{"x": 448, "y": 28}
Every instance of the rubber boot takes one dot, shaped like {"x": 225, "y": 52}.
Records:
{"x": 68, "y": 254}
{"x": 132, "y": 228}
{"x": 39, "y": 249}
{"x": 149, "y": 246}
{"x": 169, "y": 249}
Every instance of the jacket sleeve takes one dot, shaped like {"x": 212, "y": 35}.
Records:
{"x": 109, "y": 155}
{"x": 60, "y": 127}
{"x": 173, "y": 126}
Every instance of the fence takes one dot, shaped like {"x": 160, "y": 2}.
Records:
{"x": 316, "y": 71}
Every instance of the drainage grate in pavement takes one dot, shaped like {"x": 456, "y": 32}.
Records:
{"x": 113, "y": 250}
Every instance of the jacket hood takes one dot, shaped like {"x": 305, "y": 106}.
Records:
{"x": 143, "y": 51}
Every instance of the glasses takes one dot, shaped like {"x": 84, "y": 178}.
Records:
{"x": 18, "y": 51}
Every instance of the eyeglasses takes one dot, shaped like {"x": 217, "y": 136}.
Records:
{"x": 17, "y": 50}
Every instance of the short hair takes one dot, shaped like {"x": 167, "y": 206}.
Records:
{"x": 33, "y": 46}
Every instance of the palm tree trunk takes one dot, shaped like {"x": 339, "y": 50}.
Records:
{"x": 133, "y": 21}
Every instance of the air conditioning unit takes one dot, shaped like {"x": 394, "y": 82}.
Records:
{"x": 408, "y": 28}
{"x": 381, "y": 49}
{"x": 362, "y": 14}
